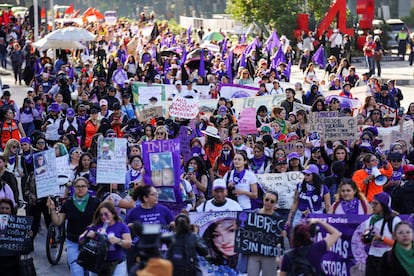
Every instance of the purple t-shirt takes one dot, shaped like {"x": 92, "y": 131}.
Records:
{"x": 118, "y": 229}
{"x": 311, "y": 199}
{"x": 315, "y": 253}
{"x": 159, "y": 214}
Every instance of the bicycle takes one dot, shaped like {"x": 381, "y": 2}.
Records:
{"x": 55, "y": 239}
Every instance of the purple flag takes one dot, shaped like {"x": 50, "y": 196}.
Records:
{"x": 272, "y": 42}
{"x": 319, "y": 57}
{"x": 243, "y": 60}
{"x": 278, "y": 58}
{"x": 166, "y": 65}
{"x": 202, "y": 68}
{"x": 184, "y": 56}
{"x": 223, "y": 47}
{"x": 189, "y": 34}
{"x": 242, "y": 39}
{"x": 252, "y": 46}
{"x": 287, "y": 70}
{"x": 173, "y": 43}
{"x": 229, "y": 66}
{"x": 154, "y": 52}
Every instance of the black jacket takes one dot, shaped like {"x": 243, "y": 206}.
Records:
{"x": 390, "y": 266}
{"x": 403, "y": 198}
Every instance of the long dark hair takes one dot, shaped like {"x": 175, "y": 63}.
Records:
{"x": 316, "y": 182}
{"x": 182, "y": 224}
{"x": 80, "y": 167}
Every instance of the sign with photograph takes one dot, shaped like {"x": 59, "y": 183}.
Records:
{"x": 112, "y": 156}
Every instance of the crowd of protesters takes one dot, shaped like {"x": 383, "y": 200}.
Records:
{"x": 74, "y": 98}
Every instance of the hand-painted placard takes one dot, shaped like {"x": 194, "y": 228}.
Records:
{"x": 315, "y": 123}
{"x": 282, "y": 183}
{"x": 14, "y": 235}
{"x": 184, "y": 108}
{"x": 259, "y": 234}
{"x": 340, "y": 128}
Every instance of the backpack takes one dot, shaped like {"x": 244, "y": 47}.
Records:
{"x": 183, "y": 255}
{"x": 92, "y": 254}
{"x": 299, "y": 263}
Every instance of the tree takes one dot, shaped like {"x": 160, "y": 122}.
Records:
{"x": 278, "y": 14}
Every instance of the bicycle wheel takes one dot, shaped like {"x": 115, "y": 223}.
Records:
{"x": 55, "y": 240}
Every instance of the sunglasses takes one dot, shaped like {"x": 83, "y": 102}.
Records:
{"x": 307, "y": 174}
{"x": 81, "y": 187}
{"x": 299, "y": 146}
{"x": 106, "y": 214}
{"x": 237, "y": 138}
{"x": 394, "y": 160}
{"x": 14, "y": 147}
{"x": 375, "y": 113}
{"x": 40, "y": 143}
{"x": 269, "y": 200}
{"x": 160, "y": 133}
{"x": 112, "y": 135}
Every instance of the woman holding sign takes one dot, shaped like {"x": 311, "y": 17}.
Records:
{"x": 311, "y": 196}
{"x": 78, "y": 210}
{"x": 262, "y": 263}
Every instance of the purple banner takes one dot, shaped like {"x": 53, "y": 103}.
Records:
{"x": 348, "y": 253}
{"x": 162, "y": 163}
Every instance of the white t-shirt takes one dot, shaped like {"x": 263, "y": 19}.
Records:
{"x": 244, "y": 185}
{"x": 378, "y": 248}
{"x": 230, "y": 205}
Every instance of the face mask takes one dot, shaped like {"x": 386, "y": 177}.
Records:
{"x": 196, "y": 151}
{"x": 226, "y": 152}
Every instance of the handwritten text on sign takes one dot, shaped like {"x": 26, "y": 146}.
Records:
{"x": 316, "y": 120}
{"x": 259, "y": 234}
{"x": 184, "y": 108}
{"x": 282, "y": 183}
{"x": 15, "y": 239}
{"x": 149, "y": 113}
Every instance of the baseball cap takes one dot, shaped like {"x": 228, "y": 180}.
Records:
{"x": 219, "y": 184}
{"x": 103, "y": 102}
{"x": 311, "y": 169}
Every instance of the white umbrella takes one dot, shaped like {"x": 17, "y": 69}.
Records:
{"x": 45, "y": 44}
{"x": 71, "y": 34}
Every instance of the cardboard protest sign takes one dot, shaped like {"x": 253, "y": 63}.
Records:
{"x": 282, "y": 183}
{"x": 14, "y": 235}
{"x": 316, "y": 123}
{"x": 259, "y": 234}
{"x": 390, "y": 135}
{"x": 247, "y": 121}
{"x": 287, "y": 147}
{"x": 186, "y": 134}
{"x": 112, "y": 156}
{"x": 184, "y": 108}
{"x": 142, "y": 92}
{"x": 45, "y": 173}
{"x": 341, "y": 128}
{"x": 63, "y": 172}
{"x": 150, "y": 112}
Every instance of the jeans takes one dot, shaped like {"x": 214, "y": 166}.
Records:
{"x": 120, "y": 270}
{"x": 72, "y": 253}
{"x": 370, "y": 64}
{"x": 261, "y": 263}
{"x": 3, "y": 61}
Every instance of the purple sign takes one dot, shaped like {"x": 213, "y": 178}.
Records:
{"x": 162, "y": 163}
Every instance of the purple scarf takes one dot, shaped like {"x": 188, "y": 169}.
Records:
{"x": 350, "y": 207}
{"x": 237, "y": 176}
{"x": 258, "y": 163}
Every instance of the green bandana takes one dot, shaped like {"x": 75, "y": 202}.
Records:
{"x": 80, "y": 203}
{"x": 375, "y": 218}
{"x": 405, "y": 257}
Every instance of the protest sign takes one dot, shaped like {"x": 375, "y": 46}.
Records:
{"x": 14, "y": 235}
{"x": 282, "y": 183}
{"x": 142, "y": 92}
{"x": 247, "y": 121}
{"x": 45, "y": 173}
{"x": 287, "y": 147}
{"x": 316, "y": 122}
{"x": 160, "y": 159}
{"x": 386, "y": 110}
{"x": 184, "y": 108}
{"x": 150, "y": 112}
{"x": 63, "y": 172}
{"x": 390, "y": 135}
{"x": 259, "y": 234}
{"x": 112, "y": 156}
{"x": 218, "y": 230}
{"x": 186, "y": 134}
{"x": 229, "y": 91}
{"x": 341, "y": 128}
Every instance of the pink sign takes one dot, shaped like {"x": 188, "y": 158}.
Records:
{"x": 247, "y": 121}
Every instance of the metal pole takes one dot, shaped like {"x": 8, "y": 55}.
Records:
{"x": 52, "y": 11}
{"x": 36, "y": 19}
